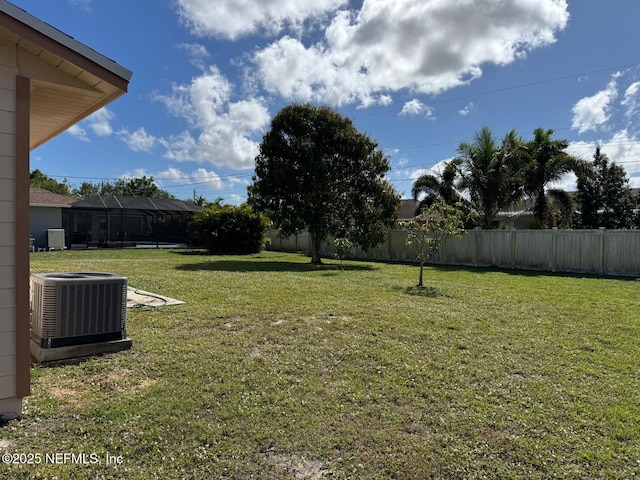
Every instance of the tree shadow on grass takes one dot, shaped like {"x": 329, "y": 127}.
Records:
{"x": 429, "y": 292}
{"x": 520, "y": 272}
{"x": 258, "y": 265}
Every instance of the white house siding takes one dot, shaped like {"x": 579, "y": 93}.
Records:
{"x": 8, "y": 72}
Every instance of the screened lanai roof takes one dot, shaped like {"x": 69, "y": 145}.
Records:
{"x": 143, "y": 204}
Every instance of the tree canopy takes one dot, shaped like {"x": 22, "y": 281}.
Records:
{"x": 491, "y": 172}
{"x": 129, "y": 187}
{"x": 316, "y": 171}
{"x": 490, "y": 176}
{"x": 37, "y": 179}
{"x": 432, "y": 187}
{"x": 430, "y": 227}
{"x": 604, "y": 195}
{"x": 547, "y": 162}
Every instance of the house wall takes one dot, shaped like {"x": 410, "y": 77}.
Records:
{"x": 9, "y": 399}
{"x": 42, "y": 219}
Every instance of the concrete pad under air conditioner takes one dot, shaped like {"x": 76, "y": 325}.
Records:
{"x": 41, "y": 354}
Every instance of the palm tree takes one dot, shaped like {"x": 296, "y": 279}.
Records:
{"x": 548, "y": 162}
{"x": 559, "y": 208}
{"x": 492, "y": 173}
{"x": 440, "y": 186}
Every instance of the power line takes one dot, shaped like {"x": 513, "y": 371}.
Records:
{"x": 222, "y": 177}
{"x": 506, "y": 89}
{"x": 436, "y": 102}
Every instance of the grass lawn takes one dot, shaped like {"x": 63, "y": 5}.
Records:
{"x": 275, "y": 368}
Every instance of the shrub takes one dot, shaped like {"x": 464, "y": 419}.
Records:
{"x": 228, "y": 229}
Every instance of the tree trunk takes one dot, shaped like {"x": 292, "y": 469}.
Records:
{"x": 420, "y": 277}
{"x": 316, "y": 242}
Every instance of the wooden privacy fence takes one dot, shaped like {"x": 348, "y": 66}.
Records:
{"x": 603, "y": 252}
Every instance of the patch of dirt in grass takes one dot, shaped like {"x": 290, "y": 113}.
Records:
{"x": 298, "y": 467}
{"x": 73, "y": 399}
{"x": 5, "y": 445}
{"x": 255, "y": 352}
{"x": 117, "y": 375}
{"x": 265, "y": 348}
{"x": 120, "y": 379}
{"x": 147, "y": 382}
{"x": 62, "y": 393}
{"x": 329, "y": 318}
{"x": 233, "y": 322}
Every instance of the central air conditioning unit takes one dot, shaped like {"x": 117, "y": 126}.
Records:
{"x": 55, "y": 239}
{"x": 78, "y": 308}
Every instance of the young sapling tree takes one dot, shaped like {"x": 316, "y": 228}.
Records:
{"x": 427, "y": 231}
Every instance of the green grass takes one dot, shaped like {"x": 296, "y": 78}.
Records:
{"x": 275, "y": 368}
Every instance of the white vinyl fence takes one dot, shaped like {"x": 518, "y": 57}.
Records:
{"x": 603, "y": 252}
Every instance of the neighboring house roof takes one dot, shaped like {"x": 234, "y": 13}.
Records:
{"x": 39, "y": 197}
{"x": 69, "y": 80}
{"x": 145, "y": 204}
{"x": 407, "y": 210}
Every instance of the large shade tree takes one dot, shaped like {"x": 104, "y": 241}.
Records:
{"x": 492, "y": 172}
{"x": 316, "y": 171}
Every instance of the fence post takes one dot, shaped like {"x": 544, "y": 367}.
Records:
{"x": 512, "y": 259}
{"x": 602, "y": 233}
{"x": 476, "y": 245}
{"x": 554, "y": 243}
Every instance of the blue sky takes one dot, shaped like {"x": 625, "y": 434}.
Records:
{"x": 418, "y": 76}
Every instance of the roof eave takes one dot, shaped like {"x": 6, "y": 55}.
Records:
{"x": 50, "y": 205}
{"x": 36, "y": 30}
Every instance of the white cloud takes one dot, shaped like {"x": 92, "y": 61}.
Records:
{"x": 425, "y": 46}
{"x": 199, "y": 177}
{"x": 466, "y": 110}
{"x": 100, "y": 122}
{"x": 233, "y": 19}
{"x": 195, "y": 50}
{"x": 590, "y": 113}
{"x": 84, "y": 5}
{"x": 623, "y": 148}
{"x": 204, "y": 181}
{"x": 416, "y": 107}
{"x": 135, "y": 173}
{"x": 78, "y": 132}
{"x": 417, "y": 173}
{"x": 138, "y": 141}
{"x": 568, "y": 183}
{"x": 221, "y": 130}
{"x": 631, "y": 99}
{"x": 197, "y": 53}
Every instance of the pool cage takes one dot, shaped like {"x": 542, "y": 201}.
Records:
{"x": 117, "y": 221}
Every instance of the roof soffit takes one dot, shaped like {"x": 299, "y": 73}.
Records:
{"x": 69, "y": 81}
